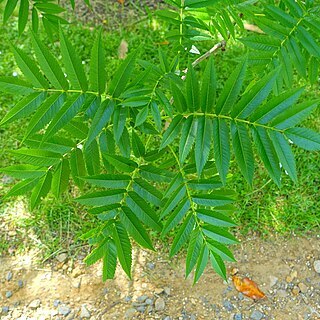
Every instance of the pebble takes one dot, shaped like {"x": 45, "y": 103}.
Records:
{"x": 303, "y": 288}
{"x": 8, "y": 294}
{"x": 64, "y": 310}
{"x": 77, "y": 271}
{"x": 295, "y": 291}
{"x": 85, "y": 313}
{"x": 20, "y": 284}
{"x": 316, "y": 266}
{"x": 130, "y": 313}
{"x": 35, "y": 304}
{"x": 141, "y": 309}
{"x": 228, "y": 305}
{"x": 158, "y": 290}
{"x": 237, "y": 316}
{"x": 56, "y": 303}
{"x": 142, "y": 298}
{"x": 5, "y": 309}
{"x": 256, "y": 315}
{"x": 151, "y": 265}
{"x": 240, "y": 296}
{"x": 282, "y": 293}
{"x": 273, "y": 281}
{"x": 127, "y": 299}
{"x": 9, "y": 276}
{"x": 167, "y": 291}
{"x": 159, "y": 304}
{"x": 149, "y": 301}
{"x": 167, "y": 318}
{"x": 62, "y": 257}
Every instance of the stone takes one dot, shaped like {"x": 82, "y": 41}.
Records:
{"x": 35, "y": 304}
{"x": 127, "y": 299}
{"x": 142, "y": 298}
{"x": 158, "y": 290}
{"x": 141, "y": 309}
{"x": 167, "y": 318}
{"x": 9, "y": 276}
{"x": 295, "y": 291}
{"x": 316, "y": 266}
{"x": 5, "y": 309}
{"x": 228, "y": 305}
{"x": 149, "y": 301}
{"x": 294, "y": 274}
{"x": 77, "y": 271}
{"x": 151, "y": 265}
{"x": 64, "y": 310}
{"x": 56, "y": 303}
{"x": 20, "y": 284}
{"x": 85, "y": 313}
{"x": 303, "y": 288}
{"x": 159, "y": 304}
{"x": 282, "y": 293}
{"x": 237, "y": 316}
{"x": 167, "y": 291}
{"x": 273, "y": 281}
{"x": 8, "y": 294}
{"x": 289, "y": 279}
{"x": 62, "y": 257}
{"x": 240, "y": 296}
{"x": 256, "y": 315}
{"x": 130, "y": 313}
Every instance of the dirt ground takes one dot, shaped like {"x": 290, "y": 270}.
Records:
{"x": 283, "y": 268}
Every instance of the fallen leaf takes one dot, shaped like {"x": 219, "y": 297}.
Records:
{"x": 247, "y": 287}
{"x": 121, "y": 1}
{"x": 123, "y": 49}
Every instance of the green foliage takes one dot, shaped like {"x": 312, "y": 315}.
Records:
{"x": 153, "y": 151}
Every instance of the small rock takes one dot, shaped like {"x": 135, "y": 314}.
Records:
{"x": 289, "y": 279}
{"x": 5, "y": 309}
{"x": 77, "y": 271}
{"x": 159, "y": 304}
{"x": 151, "y": 265}
{"x": 228, "y": 305}
{"x": 237, "y": 316}
{"x": 256, "y": 315}
{"x": 20, "y": 284}
{"x": 130, "y": 313}
{"x": 295, "y": 291}
{"x": 9, "y": 276}
{"x": 303, "y": 288}
{"x": 273, "y": 281}
{"x": 282, "y": 293}
{"x": 141, "y": 309}
{"x": 167, "y": 291}
{"x": 167, "y": 318}
{"x": 35, "y": 304}
{"x": 149, "y": 301}
{"x": 158, "y": 290}
{"x": 240, "y": 296}
{"x": 127, "y": 299}
{"x": 76, "y": 284}
{"x": 142, "y": 298}
{"x": 316, "y": 266}
{"x": 64, "y": 310}
{"x": 8, "y": 294}
{"x": 85, "y": 313}
{"x": 294, "y": 274}
{"x": 62, "y": 257}
{"x": 56, "y": 303}
{"x": 193, "y": 317}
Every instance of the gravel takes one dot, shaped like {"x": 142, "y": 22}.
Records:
{"x": 20, "y": 284}
{"x": 159, "y": 304}
{"x": 34, "y": 304}
{"x": 64, "y": 310}
{"x": 9, "y": 276}
{"x": 85, "y": 313}
{"x": 8, "y": 294}
{"x": 316, "y": 266}
{"x": 256, "y": 315}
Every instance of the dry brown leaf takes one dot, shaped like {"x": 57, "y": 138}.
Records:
{"x": 247, "y": 287}
{"x": 121, "y": 1}
{"x": 123, "y": 49}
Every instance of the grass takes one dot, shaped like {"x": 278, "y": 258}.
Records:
{"x": 57, "y": 224}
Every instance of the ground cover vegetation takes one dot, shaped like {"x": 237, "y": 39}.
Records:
{"x": 162, "y": 144}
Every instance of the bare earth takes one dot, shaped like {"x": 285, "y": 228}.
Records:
{"x": 283, "y": 269}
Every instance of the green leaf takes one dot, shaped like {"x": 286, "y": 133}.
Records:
{"x": 143, "y": 211}
{"x": 231, "y": 89}
{"x": 294, "y": 115}
{"x": 221, "y": 250}
{"x": 77, "y": 166}
{"x": 267, "y": 153}
{"x": 194, "y": 248}
{"x": 203, "y": 142}
{"x": 188, "y": 136}
{"x": 179, "y": 100}
{"x": 137, "y": 146}
{"x": 176, "y": 216}
{"x": 49, "y": 64}
{"x": 142, "y": 116}
{"x": 214, "y": 199}
{"x": 135, "y": 228}
{"x": 284, "y": 154}
{"x": 152, "y": 173}
{"x": 98, "y": 76}
{"x": 45, "y": 113}
{"x": 109, "y": 180}
{"x": 208, "y": 87}
{"x": 24, "y": 171}
{"x": 205, "y": 184}
{"x": 119, "y": 121}
{"x": 174, "y": 185}
{"x": 41, "y": 190}
{"x": 124, "y": 144}
{"x": 218, "y": 234}
{"x": 308, "y": 41}
{"x": 183, "y": 234}
{"x": 215, "y": 218}
{"x": 255, "y": 96}
{"x": 23, "y": 15}
{"x": 64, "y": 115}
{"x": 173, "y": 201}
{"x": 92, "y": 157}
{"x": 60, "y": 178}
{"x": 29, "y": 68}
{"x": 173, "y": 130}
{"x": 100, "y": 119}
{"x": 147, "y": 191}
{"x": 107, "y": 146}
{"x": 22, "y": 187}
{"x": 122, "y": 75}
{"x": 218, "y": 265}
{"x": 304, "y": 138}
{"x": 37, "y": 157}
{"x": 243, "y": 150}
{"x": 8, "y": 10}
{"x": 201, "y": 264}
{"x": 165, "y": 103}
{"x": 24, "y": 107}
{"x": 121, "y": 163}
{"x": 123, "y": 246}
{"x": 96, "y": 254}
{"x": 35, "y": 20}
{"x": 109, "y": 261}
{"x": 15, "y": 86}
{"x": 73, "y": 64}
{"x": 192, "y": 89}
{"x": 101, "y": 198}
{"x": 221, "y": 147}
{"x": 155, "y": 111}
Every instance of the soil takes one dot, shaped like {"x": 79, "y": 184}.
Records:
{"x": 282, "y": 267}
